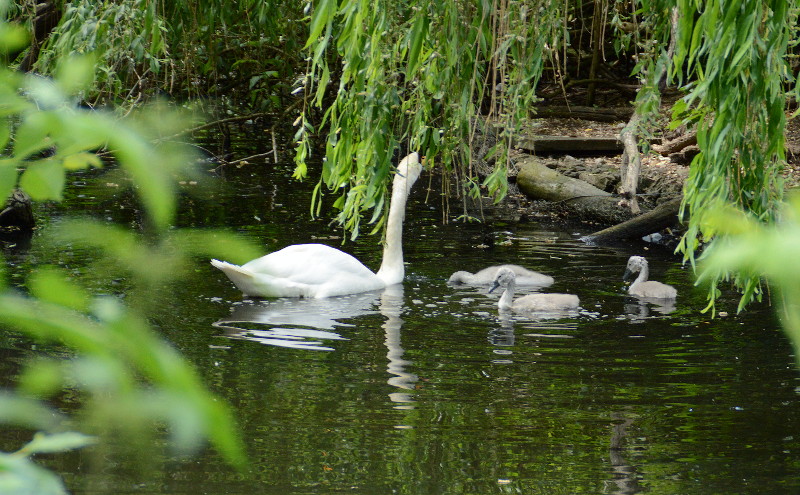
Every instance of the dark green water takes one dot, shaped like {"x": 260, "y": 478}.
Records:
{"x": 426, "y": 389}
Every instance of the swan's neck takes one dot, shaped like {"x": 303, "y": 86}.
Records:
{"x": 507, "y": 299}
{"x": 644, "y": 272}
{"x": 392, "y": 270}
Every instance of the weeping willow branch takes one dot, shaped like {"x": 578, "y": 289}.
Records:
{"x": 414, "y": 75}
{"x": 736, "y": 55}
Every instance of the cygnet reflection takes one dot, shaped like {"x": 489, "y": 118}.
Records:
{"x": 640, "y": 308}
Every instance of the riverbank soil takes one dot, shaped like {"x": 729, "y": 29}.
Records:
{"x": 589, "y": 150}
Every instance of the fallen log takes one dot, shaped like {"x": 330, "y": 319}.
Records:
{"x": 588, "y": 202}
{"x": 678, "y": 144}
{"x": 661, "y": 217}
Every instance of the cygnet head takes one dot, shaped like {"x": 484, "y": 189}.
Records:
{"x": 503, "y": 278}
{"x": 635, "y": 265}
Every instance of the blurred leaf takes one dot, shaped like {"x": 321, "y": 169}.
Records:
{"x": 8, "y": 178}
{"x": 5, "y": 133}
{"x": 154, "y": 183}
{"x": 45, "y": 93}
{"x": 130, "y": 253}
{"x": 82, "y": 131}
{"x": 186, "y": 422}
{"x": 82, "y": 160}
{"x": 44, "y": 180}
{"x": 52, "y": 285}
{"x": 42, "y": 377}
{"x": 120, "y": 336}
{"x": 13, "y": 103}
{"x": 165, "y": 367}
{"x": 215, "y": 244}
{"x": 20, "y": 476}
{"x": 104, "y": 376}
{"x": 33, "y": 134}
{"x": 76, "y": 72}
{"x": 54, "y": 323}
{"x": 13, "y": 37}
{"x": 57, "y": 442}
{"x": 21, "y": 411}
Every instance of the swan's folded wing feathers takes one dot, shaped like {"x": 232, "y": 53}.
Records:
{"x": 309, "y": 270}
{"x": 307, "y": 263}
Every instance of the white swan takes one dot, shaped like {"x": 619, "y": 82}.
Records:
{"x": 317, "y": 270}
{"x": 642, "y": 287}
{"x": 487, "y": 276}
{"x": 532, "y": 302}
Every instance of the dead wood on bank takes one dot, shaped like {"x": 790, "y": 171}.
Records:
{"x": 631, "y": 163}
{"x": 586, "y": 202}
{"x": 676, "y": 145}
{"x": 538, "y": 181}
{"x": 661, "y": 217}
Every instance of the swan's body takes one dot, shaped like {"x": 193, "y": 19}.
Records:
{"x": 641, "y": 287}
{"x": 505, "y": 277}
{"x": 317, "y": 270}
{"x": 487, "y": 276}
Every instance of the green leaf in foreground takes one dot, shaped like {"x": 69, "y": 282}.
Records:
{"x": 44, "y": 180}
{"x": 58, "y": 442}
{"x": 19, "y": 475}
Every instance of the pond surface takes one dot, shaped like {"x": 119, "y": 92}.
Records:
{"x": 424, "y": 388}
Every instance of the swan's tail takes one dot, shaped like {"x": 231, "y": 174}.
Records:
{"x": 242, "y": 278}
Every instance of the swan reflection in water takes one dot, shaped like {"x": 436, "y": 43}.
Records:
{"x": 391, "y": 307}
{"x": 296, "y": 323}
{"x": 308, "y": 323}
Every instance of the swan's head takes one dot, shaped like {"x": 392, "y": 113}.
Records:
{"x": 635, "y": 265}
{"x": 503, "y": 278}
{"x": 409, "y": 168}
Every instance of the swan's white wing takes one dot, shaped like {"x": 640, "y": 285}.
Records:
{"x": 308, "y": 264}
{"x": 303, "y": 270}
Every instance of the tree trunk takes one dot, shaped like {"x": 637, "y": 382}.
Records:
{"x": 597, "y": 46}
{"x": 48, "y": 15}
{"x": 631, "y": 163}
{"x": 631, "y": 158}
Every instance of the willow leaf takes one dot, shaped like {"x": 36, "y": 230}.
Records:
{"x": 322, "y": 17}
{"x": 418, "y": 35}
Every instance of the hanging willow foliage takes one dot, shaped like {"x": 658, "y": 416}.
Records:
{"x": 417, "y": 84}
{"x": 190, "y": 49}
{"x": 734, "y": 55}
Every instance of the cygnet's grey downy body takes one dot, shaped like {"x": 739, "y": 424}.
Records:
{"x": 487, "y": 276}
{"x": 641, "y": 287}
{"x": 530, "y": 303}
